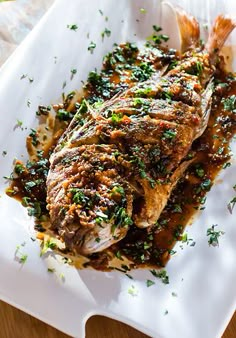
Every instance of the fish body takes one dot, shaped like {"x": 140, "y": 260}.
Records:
{"x": 119, "y": 168}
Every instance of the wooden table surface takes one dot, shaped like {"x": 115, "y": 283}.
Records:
{"x": 17, "y": 324}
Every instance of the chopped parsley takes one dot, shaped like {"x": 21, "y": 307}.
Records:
{"x": 149, "y": 283}
{"x": 155, "y": 39}
{"x": 34, "y": 209}
{"x": 118, "y": 255}
{"x": 142, "y": 72}
{"x": 73, "y": 72}
{"x": 23, "y": 76}
{"x": 232, "y": 204}
{"x": 199, "y": 67}
{"x": 19, "y": 168}
{"x": 162, "y": 274}
{"x": 226, "y": 165}
{"x": 73, "y": 27}
{"x": 64, "y": 85}
{"x": 199, "y": 171}
{"x": 64, "y": 115}
{"x": 143, "y": 10}
{"x": 42, "y": 110}
{"x": 169, "y": 134}
{"x": 25, "y": 201}
{"x": 105, "y": 33}
{"x": 62, "y": 277}
{"x": 51, "y": 270}
{"x": 78, "y": 196}
{"x": 118, "y": 190}
{"x": 23, "y": 258}
{"x": 214, "y": 235}
{"x": 230, "y": 103}
{"x": 49, "y": 244}
{"x": 143, "y": 92}
{"x": 102, "y": 85}
{"x": 133, "y": 291}
{"x": 187, "y": 240}
{"x": 19, "y": 124}
{"x": 195, "y": 68}
{"x": 116, "y": 118}
{"x": 91, "y": 47}
{"x": 19, "y": 255}
{"x": 156, "y": 28}
{"x": 177, "y": 208}
{"x": 34, "y": 137}
{"x": 206, "y": 184}
{"x": 121, "y": 218}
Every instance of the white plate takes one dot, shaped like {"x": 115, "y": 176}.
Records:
{"x": 203, "y": 277}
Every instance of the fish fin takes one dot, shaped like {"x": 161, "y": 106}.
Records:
{"x": 178, "y": 173}
{"x": 189, "y": 29}
{"x": 156, "y": 199}
{"x": 221, "y": 29}
{"x": 205, "y": 107}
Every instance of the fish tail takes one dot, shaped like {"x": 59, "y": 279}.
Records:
{"x": 221, "y": 29}
{"x": 189, "y": 29}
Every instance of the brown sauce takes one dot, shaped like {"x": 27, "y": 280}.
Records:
{"x": 141, "y": 247}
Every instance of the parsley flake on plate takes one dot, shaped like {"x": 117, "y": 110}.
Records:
{"x": 91, "y": 47}
{"x": 20, "y": 256}
{"x": 214, "y": 235}
{"x": 73, "y": 27}
{"x": 149, "y": 283}
{"x": 133, "y": 291}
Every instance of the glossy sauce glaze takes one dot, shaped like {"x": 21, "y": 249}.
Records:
{"x": 124, "y": 67}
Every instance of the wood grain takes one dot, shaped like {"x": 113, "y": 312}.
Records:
{"x": 17, "y": 324}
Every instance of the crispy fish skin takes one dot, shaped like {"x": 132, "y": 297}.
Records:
{"x": 119, "y": 168}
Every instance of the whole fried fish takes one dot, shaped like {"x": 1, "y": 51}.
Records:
{"x": 119, "y": 168}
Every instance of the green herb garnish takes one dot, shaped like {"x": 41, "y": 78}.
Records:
{"x": 34, "y": 137}
{"x": 169, "y": 134}
{"x": 214, "y": 235}
{"x": 232, "y": 204}
{"x": 116, "y": 118}
{"x": 91, "y": 47}
{"x": 73, "y": 72}
{"x": 143, "y": 10}
{"x": 19, "y": 168}
{"x": 20, "y": 256}
{"x": 49, "y": 244}
{"x": 230, "y": 103}
{"x": 132, "y": 290}
{"x": 78, "y": 196}
{"x": 162, "y": 274}
{"x": 106, "y": 33}
{"x": 51, "y": 270}
{"x": 149, "y": 283}
{"x": 73, "y": 27}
